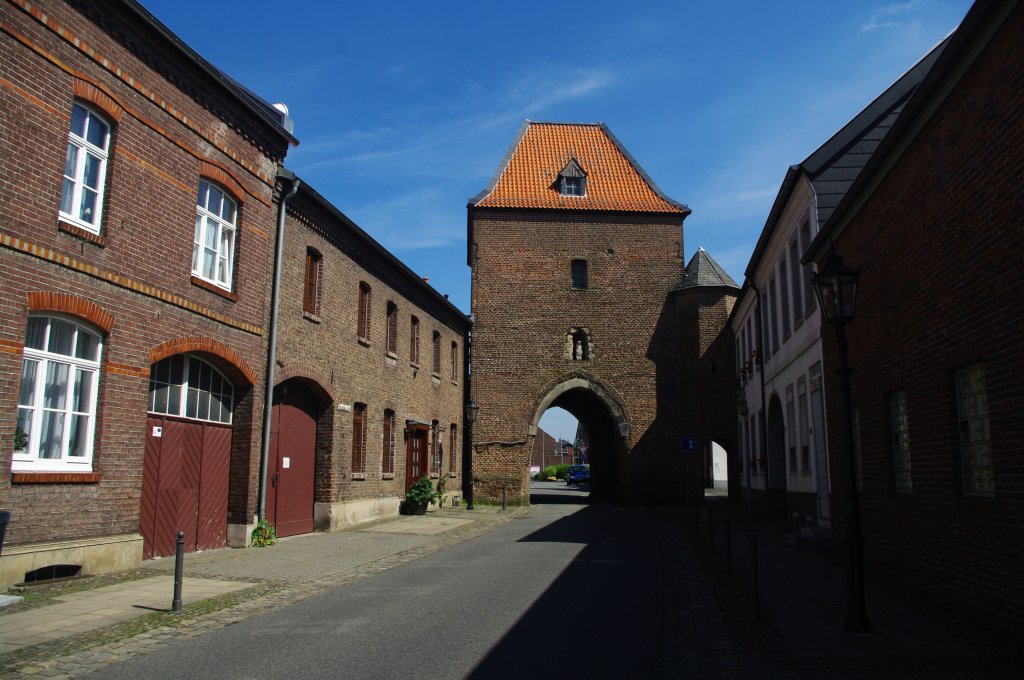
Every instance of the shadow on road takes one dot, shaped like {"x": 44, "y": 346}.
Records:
{"x": 553, "y": 493}
{"x": 602, "y": 616}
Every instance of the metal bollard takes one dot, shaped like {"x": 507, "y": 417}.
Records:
{"x": 728, "y": 543}
{"x": 757, "y": 589}
{"x": 503, "y": 496}
{"x": 711, "y": 527}
{"x": 179, "y": 568}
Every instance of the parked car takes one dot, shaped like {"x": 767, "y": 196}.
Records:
{"x": 578, "y": 474}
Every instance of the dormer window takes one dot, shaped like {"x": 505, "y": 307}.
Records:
{"x": 572, "y": 180}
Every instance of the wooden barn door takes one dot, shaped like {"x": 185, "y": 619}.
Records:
{"x": 184, "y": 485}
{"x": 292, "y": 463}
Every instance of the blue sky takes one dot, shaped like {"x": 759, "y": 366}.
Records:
{"x": 404, "y": 109}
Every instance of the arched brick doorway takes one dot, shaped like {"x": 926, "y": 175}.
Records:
{"x": 602, "y": 419}
{"x": 292, "y": 463}
{"x": 187, "y": 460}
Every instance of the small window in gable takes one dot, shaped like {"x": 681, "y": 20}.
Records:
{"x": 572, "y": 180}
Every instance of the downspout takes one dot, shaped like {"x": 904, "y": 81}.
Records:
{"x": 762, "y": 430}
{"x": 275, "y": 308}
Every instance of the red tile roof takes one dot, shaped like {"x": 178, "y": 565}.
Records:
{"x": 527, "y": 175}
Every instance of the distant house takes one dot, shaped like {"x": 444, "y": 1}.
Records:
{"x": 784, "y": 465}
{"x": 933, "y": 224}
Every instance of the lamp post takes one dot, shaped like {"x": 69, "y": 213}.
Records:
{"x": 471, "y": 411}
{"x": 836, "y": 288}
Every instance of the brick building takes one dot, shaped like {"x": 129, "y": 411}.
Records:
{"x": 369, "y": 380}
{"x": 575, "y": 254}
{"x": 780, "y": 411}
{"x": 136, "y": 213}
{"x": 933, "y": 225}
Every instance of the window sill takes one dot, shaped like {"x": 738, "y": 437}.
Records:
{"x": 362, "y": 341}
{"x": 55, "y": 477}
{"x": 391, "y": 355}
{"x": 433, "y": 475}
{"x": 79, "y": 232}
{"x": 213, "y": 288}
{"x": 452, "y": 475}
{"x": 311, "y": 317}
{"x": 388, "y": 475}
{"x": 358, "y": 476}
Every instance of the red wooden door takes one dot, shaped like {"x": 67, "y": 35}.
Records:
{"x": 292, "y": 463}
{"x": 184, "y": 485}
{"x": 416, "y": 456}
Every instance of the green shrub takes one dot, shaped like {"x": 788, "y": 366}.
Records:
{"x": 556, "y": 471}
{"x": 421, "y": 491}
{"x": 263, "y": 534}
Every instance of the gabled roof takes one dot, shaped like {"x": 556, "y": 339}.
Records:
{"x": 832, "y": 168}
{"x": 703, "y": 272}
{"x": 959, "y": 49}
{"x": 526, "y": 177}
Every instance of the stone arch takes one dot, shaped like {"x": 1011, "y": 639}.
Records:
{"x": 235, "y": 366}
{"x": 610, "y": 401}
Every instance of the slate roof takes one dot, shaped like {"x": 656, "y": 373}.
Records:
{"x": 526, "y": 176}
{"x": 703, "y": 271}
{"x": 947, "y": 60}
{"x": 832, "y": 168}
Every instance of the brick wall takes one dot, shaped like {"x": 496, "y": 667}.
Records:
{"x": 138, "y": 269}
{"x": 524, "y": 306}
{"x": 939, "y": 246}
{"x": 325, "y": 349}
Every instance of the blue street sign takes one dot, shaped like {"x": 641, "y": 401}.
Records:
{"x": 688, "y": 444}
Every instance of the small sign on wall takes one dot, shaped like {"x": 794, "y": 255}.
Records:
{"x": 286, "y": 462}
{"x": 158, "y": 431}
{"x": 688, "y": 444}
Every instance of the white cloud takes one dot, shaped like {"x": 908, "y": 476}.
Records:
{"x": 878, "y": 18}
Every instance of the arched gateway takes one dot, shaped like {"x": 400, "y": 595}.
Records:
{"x": 580, "y": 301}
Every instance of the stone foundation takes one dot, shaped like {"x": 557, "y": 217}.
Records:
{"x": 95, "y": 555}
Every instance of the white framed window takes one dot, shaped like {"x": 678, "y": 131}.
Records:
{"x": 57, "y": 400}
{"x": 85, "y": 169}
{"x": 187, "y": 387}
{"x": 972, "y": 416}
{"x": 213, "y": 249}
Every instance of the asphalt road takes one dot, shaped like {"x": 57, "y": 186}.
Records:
{"x": 571, "y": 590}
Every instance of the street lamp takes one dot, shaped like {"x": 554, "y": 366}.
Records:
{"x": 471, "y": 411}
{"x": 836, "y": 288}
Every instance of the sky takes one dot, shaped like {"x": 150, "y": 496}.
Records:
{"x": 404, "y": 109}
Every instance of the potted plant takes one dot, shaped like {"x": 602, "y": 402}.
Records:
{"x": 420, "y": 495}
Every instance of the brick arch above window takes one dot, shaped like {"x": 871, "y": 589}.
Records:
{"x": 43, "y": 301}
{"x": 89, "y": 92}
{"x": 223, "y": 178}
{"x": 194, "y": 343}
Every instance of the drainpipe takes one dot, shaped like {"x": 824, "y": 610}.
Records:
{"x": 275, "y": 307}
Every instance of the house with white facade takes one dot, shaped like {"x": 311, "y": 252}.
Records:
{"x": 780, "y": 401}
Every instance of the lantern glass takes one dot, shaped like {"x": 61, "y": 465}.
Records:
{"x": 836, "y": 288}
{"x": 471, "y": 410}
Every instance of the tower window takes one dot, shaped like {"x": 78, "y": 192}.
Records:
{"x": 579, "y": 274}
